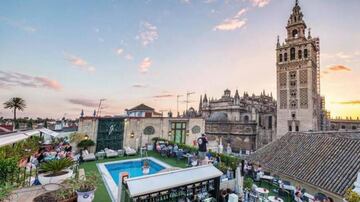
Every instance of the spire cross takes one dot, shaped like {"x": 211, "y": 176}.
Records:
{"x": 297, "y": 2}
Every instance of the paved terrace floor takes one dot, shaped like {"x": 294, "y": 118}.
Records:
{"x": 101, "y": 194}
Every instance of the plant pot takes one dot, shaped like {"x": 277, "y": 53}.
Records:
{"x": 85, "y": 196}
{"x": 44, "y": 178}
{"x": 72, "y": 199}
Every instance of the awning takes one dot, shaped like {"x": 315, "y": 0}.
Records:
{"x": 163, "y": 181}
{"x": 49, "y": 132}
{"x": 16, "y": 137}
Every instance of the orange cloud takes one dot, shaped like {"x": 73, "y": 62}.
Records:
{"x": 351, "y": 102}
{"x": 339, "y": 68}
{"x": 164, "y": 96}
{"x": 145, "y": 65}
{"x": 79, "y": 63}
{"x": 84, "y": 102}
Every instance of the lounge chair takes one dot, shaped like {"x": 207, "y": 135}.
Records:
{"x": 129, "y": 151}
{"x": 88, "y": 156}
{"x": 110, "y": 153}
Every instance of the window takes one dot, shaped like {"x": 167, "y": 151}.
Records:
{"x": 305, "y": 53}
{"x": 285, "y": 57}
{"x": 300, "y": 54}
{"x": 293, "y": 104}
{"x": 293, "y": 84}
{"x": 293, "y": 115}
{"x": 292, "y": 54}
{"x": 343, "y": 127}
{"x": 295, "y": 33}
{"x": 354, "y": 127}
{"x": 290, "y": 128}
{"x": 270, "y": 122}
{"x": 293, "y": 93}
{"x": 280, "y": 58}
{"x": 297, "y": 128}
{"x": 292, "y": 75}
{"x": 246, "y": 119}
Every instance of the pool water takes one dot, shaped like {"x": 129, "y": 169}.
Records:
{"x": 134, "y": 168}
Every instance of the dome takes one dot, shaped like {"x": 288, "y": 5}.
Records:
{"x": 218, "y": 116}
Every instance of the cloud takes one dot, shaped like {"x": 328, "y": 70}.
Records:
{"x": 351, "y": 102}
{"x": 139, "y": 86}
{"x": 209, "y": 1}
{"x": 342, "y": 55}
{"x": 163, "y": 96}
{"x": 79, "y": 63}
{"x": 145, "y": 65}
{"x": 337, "y": 68}
{"x": 18, "y": 24}
{"x": 119, "y": 51}
{"x": 129, "y": 57}
{"x": 185, "y": 1}
{"x": 229, "y": 24}
{"x": 148, "y": 33}
{"x": 260, "y": 3}
{"x": 84, "y": 102}
{"x": 13, "y": 79}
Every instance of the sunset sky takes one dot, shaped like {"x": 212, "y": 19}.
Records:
{"x": 63, "y": 56}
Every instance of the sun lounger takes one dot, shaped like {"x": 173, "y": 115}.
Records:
{"x": 129, "y": 151}
{"x": 111, "y": 153}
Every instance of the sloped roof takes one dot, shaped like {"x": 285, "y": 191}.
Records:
{"x": 328, "y": 160}
{"x": 141, "y": 107}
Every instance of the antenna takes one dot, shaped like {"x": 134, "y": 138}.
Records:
{"x": 187, "y": 99}
{"x": 99, "y": 108}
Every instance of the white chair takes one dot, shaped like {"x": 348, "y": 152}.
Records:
{"x": 129, "y": 151}
{"x": 110, "y": 153}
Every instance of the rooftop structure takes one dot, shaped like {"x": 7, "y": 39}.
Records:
{"x": 325, "y": 161}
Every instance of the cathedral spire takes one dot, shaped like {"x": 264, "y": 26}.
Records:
{"x": 200, "y": 104}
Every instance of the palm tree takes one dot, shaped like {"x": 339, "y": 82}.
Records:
{"x": 15, "y": 103}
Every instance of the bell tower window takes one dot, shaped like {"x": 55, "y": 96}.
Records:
{"x": 285, "y": 57}
{"x": 305, "y": 53}
{"x": 300, "y": 54}
{"x": 292, "y": 54}
{"x": 295, "y": 33}
{"x": 280, "y": 58}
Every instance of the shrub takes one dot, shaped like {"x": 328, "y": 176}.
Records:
{"x": 352, "y": 196}
{"x": 77, "y": 137}
{"x": 56, "y": 167}
{"x": 86, "y": 143}
{"x": 8, "y": 168}
{"x": 248, "y": 183}
{"x": 5, "y": 191}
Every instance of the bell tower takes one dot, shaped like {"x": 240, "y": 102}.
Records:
{"x": 298, "y": 77}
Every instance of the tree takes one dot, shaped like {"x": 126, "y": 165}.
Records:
{"x": 15, "y": 103}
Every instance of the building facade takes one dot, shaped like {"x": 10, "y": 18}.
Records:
{"x": 245, "y": 123}
{"x": 298, "y": 78}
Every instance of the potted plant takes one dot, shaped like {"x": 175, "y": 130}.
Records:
{"x": 61, "y": 195}
{"x": 56, "y": 171}
{"x": 85, "y": 187}
{"x": 86, "y": 143}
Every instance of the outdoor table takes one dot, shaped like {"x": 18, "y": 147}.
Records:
{"x": 262, "y": 190}
{"x": 273, "y": 199}
{"x": 188, "y": 156}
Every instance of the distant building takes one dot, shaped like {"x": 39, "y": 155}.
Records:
{"x": 142, "y": 111}
{"x": 344, "y": 124}
{"x": 320, "y": 162}
{"x": 298, "y": 78}
{"x": 139, "y": 128}
{"x": 246, "y": 123}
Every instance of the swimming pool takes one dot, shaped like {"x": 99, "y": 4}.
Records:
{"x": 133, "y": 168}
{"x": 110, "y": 171}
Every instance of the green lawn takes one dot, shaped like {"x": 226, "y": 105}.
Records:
{"x": 101, "y": 194}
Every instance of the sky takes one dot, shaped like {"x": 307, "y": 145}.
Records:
{"x": 64, "y": 56}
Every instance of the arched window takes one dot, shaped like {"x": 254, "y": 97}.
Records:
{"x": 305, "y": 53}
{"x": 246, "y": 119}
{"x": 299, "y": 54}
{"x": 292, "y": 54}
{"x": 280, "y": 58}
{"x": 295, "y": 33}
{"x": 285, "y": 57}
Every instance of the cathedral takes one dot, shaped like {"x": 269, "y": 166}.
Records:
{"x": 298, "y": 78}
{"x": 245, "y": 123}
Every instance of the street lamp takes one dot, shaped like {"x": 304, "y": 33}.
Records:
{"x": 132, "y": 134}
{"x": 170, "y": 133}
{"x": 86, "y": 137}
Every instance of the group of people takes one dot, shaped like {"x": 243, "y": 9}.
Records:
{"x": 47, "y": 153}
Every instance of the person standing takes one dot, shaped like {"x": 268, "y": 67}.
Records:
{"x": 202, "y": 141}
